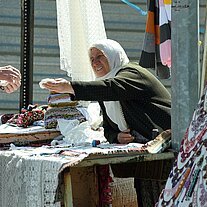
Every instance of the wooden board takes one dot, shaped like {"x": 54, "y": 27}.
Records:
{"x": 82, "y": 189}
{"x": 28, "y": 137}
{"x": 103, "y": 159}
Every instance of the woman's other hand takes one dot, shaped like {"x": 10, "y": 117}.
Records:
{"x": 58, "y": 85}
{"x": 125, "y": 137}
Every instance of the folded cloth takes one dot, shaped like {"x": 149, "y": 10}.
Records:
{"x": 55, "y": 113}
{"x": 27, "y": 116}
{"x": 5, "y": 117}
{"x": 60, "y": 100}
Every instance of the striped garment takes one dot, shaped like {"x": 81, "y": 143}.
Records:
{"x": 156, "y": 52}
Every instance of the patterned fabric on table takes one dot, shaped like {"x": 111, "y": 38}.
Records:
{"x": 156, "y": 52}
{"x": 104, "y": 185}
{"x": 28, "y": 182}
{"x": 187, "y": 183}
{"x": 28, "y": 116}
{"x": 66, "y": 113}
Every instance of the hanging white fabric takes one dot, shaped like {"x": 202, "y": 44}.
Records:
{"x": 80, "y": 23}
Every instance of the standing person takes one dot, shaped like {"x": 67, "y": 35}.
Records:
{"x": 131, "y": 98}
{"x": 10, "y": 78}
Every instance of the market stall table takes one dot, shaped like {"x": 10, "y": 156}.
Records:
{"x": 34, "y": 176}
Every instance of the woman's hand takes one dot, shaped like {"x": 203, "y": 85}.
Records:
{"x": 58, "y": 85}
{"x": 125, "y": 137}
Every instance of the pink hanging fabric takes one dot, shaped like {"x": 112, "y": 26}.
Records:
{"x": 164, "y": 19}
{"x": 156, "y": 52}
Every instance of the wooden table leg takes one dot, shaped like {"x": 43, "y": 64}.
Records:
{"x": 81, "y": 187}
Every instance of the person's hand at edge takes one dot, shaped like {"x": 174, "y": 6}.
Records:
{"x": 10, "y": 74}
{"x": 11, "y": 87}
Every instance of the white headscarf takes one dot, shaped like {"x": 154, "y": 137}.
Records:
{"x": 117, "y": 58}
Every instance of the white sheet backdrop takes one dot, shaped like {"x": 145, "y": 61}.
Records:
{"x": 80, "y": 23}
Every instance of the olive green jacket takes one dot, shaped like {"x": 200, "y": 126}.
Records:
{"x": 145, "y": 102}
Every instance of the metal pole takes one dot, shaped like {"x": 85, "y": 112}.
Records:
{"x": 185, "y": 65}
{"x": 204, "y": 64}
{"x": 26, "y": 62}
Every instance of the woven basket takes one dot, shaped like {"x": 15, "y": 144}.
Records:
{"x": 123, "y": 192}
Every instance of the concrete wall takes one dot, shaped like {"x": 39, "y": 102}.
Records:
{"x": 123, "y": 23}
